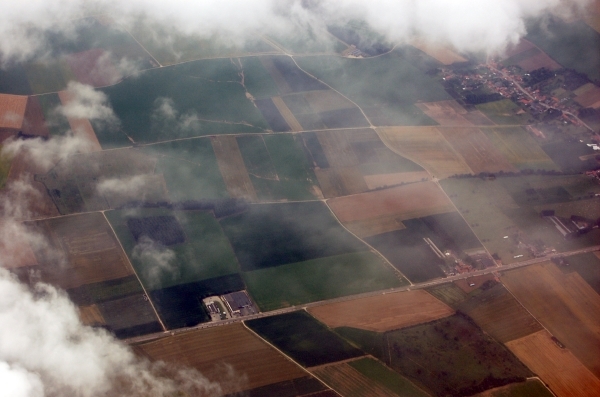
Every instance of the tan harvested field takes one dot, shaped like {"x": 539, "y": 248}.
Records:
{"x": 564, "y": 304}
{"x": 208, "y": 350}
{"x": 476, "y": 117}
{"x": 350, "y": 383}
{"x": 590, "y": 98}
{"x": 557, "y": 367}
{"x": 427, "y": 147}
{"x": 499, "y": 314}
{"x": 12, "y": 110}
{"x": 341, "y": 181}
{"x": 287, "y": 114}
{"x": 80, "y": 127}
{"x": 326, "y": 100}
{"x": 539, "y": 60}
{"x": 383, "y": 180}
{"x": 477, "y": 280}
{"x": 282, "y": 85}
{"x": 90, "y": 315}
{"x": 232, "y": 167}
{"x": 90, "y": 248}
{"x": 405, "y": 202}
{"x": 374, "y": 226}
{"x": 443, "y": 54}
{"x": 383, "y": 313}
{"x": 584, "y": 88}
{"x": 445, "y": 112}
{"x": 477, "y": 150}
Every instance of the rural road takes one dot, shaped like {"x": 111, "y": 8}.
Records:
{"x": 158, "y": 335}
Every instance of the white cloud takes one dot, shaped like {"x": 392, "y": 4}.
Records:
{"x": 87, "y": 103}
{"x": 158, "y": 261}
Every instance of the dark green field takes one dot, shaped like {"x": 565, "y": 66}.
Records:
{"x": 381, "y": 374}
{"x": 257, "y": 79}
{"x": 388, "y": 84}
{"x": 205, "y": 254}
{"x": 192, "y": 99}
{"x": 451, "y": 356}
{"x": 319, "y": 279}
{"x": 504, "y": 112}
{"x": 306, "y": 340}
{"x": 275, "y": 234}
{"x": 569, "y": 44}
{"x": 190, "y": 169}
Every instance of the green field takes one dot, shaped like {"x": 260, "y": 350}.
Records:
{"x": 388, "y": 83}
{"x": 190, "y": 169}
{"x": 303, "y": 338}
{"x": 519, "y": 147}
{"x": 275, "y": 234}
{"x": 386, "y": 377}
{"x": 205, "y": 254}
{"x": 319, "y": 279}
{"x": 181, "y": 47}
{"x": 50, "y": 76}
{"x": 192, "y": 99}
{"x": 296, "y": 178}
{"x": 257, "y": 79}
{"x": 448, "y": 293}
{"x": 504, "y": 112}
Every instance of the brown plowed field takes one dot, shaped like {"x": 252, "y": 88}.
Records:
{"x": 590, "y": 98}
{"x": 234, "y": 345}
{"x": 406, "y": 202}
{"x": 522, "y": 46}
{"x": 350, "y": 383}
{"x": 232, "y": 167}
{"x": 341, "y": 181}
{"x": 34, "y": 122}
{"x": 326, "y": 100}
{"x": 374, "y": 226}
{"x": 384, "y": 180}
{"x": 12, "y": 110}
{"x": 477, "y": 150}
{"x": 90, "y": 315}
{"x": 90, "y": 248}
{"x": 80, "y": 127}
{"x": 557, "y": 367}
{"x": 287, "y": 114}
{"x": 565, "y": 304}
{"x": 445, "y": 112}
{"x": 427, "y": 147}
{"x": 383, "y": 312}
{"x": 498, "y": 313}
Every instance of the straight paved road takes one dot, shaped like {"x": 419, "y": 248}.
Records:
{"x": 158, "y": 335}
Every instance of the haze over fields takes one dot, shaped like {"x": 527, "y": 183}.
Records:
{"x": 157, "y": 153}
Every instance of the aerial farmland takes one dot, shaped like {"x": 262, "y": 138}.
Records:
{"x": 323, "y": 208}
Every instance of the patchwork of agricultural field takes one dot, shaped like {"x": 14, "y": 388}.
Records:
{"x": 300, "y": 169}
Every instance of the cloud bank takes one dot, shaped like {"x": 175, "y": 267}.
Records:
{"x": 469, "y": 25}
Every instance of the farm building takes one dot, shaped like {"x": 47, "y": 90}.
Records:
{"x": 239, "y": 303}
{"x": 21, "y": 115}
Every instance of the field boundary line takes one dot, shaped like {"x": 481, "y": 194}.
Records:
{"x": 398, "y": 272}
{"x": 136, "y": 275}
{"x": 284, "y": 354}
